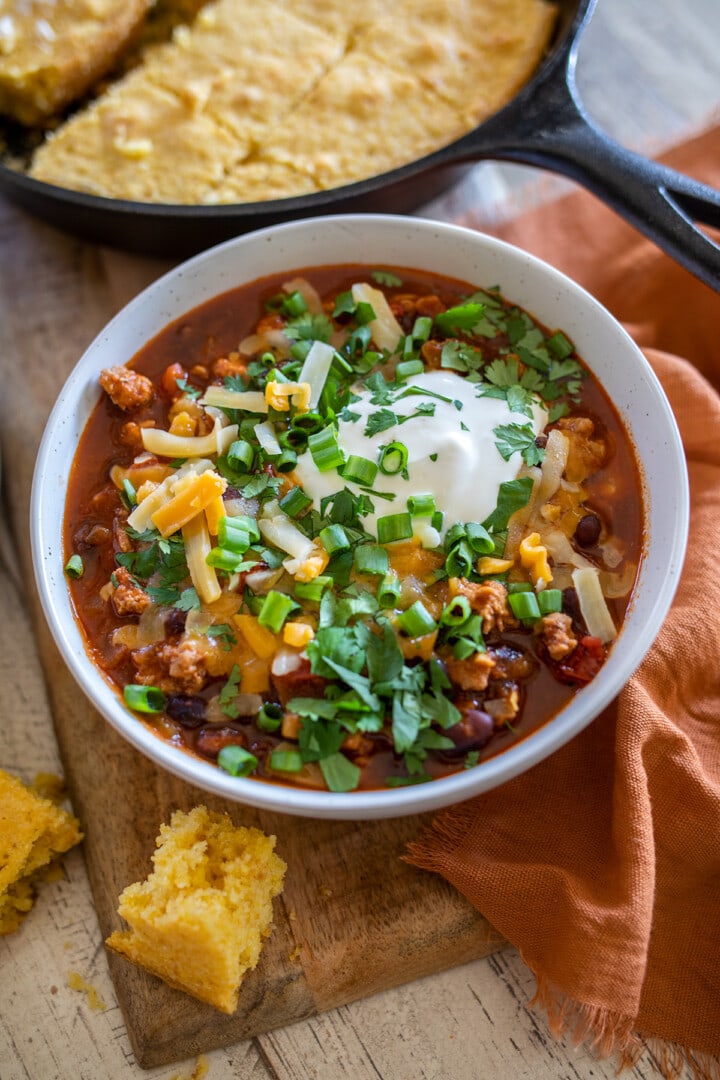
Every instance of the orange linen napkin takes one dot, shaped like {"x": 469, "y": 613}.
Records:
{"x": 602, "y": 864}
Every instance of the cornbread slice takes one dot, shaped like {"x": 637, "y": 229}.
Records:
{"x": 362, "y": 118}
{"x": 199, "y": 919}
{"x": 139, "y": 142}
{"x": 32, "y": 832}
{"x": 52, "y": 51}
{"x": 172, "y": 129}
{"x": 476, "y": 54}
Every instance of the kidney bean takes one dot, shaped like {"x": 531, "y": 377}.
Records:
{"x": 471, "y": 733}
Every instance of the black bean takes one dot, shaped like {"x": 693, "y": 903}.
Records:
{"x": 587, "y": 531}
{"x": 187, "y": 709}
{"x": 175, "y": 622}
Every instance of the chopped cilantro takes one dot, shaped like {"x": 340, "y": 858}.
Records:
{"x": 512, "y": 438}
{"x": 384, "y": 277}
{"x": 229, "y": 692}
{"x": 512, "y": 496}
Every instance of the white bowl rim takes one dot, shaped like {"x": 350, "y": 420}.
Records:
{"x": 411, "y": 799}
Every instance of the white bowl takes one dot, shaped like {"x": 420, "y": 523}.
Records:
{"x": 391, "y": 241}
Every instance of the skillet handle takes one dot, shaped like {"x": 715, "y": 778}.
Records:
{"x": 659, "y": 202}
{"x": 547, "y": 126}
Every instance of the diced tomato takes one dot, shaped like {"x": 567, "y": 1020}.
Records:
{"x": 583, "y": 663}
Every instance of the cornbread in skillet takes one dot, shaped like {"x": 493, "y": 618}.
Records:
{"x": 33, "y": 831}
{"x": 200, "y": 918}
{"x": 304, "y": 94}
{"x": 52, "y": 51}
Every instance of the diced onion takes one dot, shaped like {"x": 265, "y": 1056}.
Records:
{"x": 309, "y": 294}
{"x": 561, "y": 550}
{"x": 385, "y": 329}
{"x": 151, "y": 626}
{"x": 286, "y": 661}
{"x": 592, "y": 604}
{"x": 617, "y": 585}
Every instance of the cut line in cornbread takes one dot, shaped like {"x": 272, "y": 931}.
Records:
{"x": 33, "y": 832}
{"x": 200, "y": 918}
{"x": 52, "y": 51}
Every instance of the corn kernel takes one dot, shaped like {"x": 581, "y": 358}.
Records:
{"x": 297, "y": 634}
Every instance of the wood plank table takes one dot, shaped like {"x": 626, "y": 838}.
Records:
{"x": 471, "y": 1022}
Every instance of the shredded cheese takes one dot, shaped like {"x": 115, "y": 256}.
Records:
{"x": 248, "y": 400}
{"x": 165, "y": 444}
{"x": 279, "y": 395}
{"x": 197, "y": 548}
{"x": 261, "y": 640}
{"x": 533, "y": 556}
{"x": 184, "y": 506}
{"x": 594, "y": 609}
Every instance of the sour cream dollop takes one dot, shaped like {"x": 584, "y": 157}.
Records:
{"x": 451, "y": 454}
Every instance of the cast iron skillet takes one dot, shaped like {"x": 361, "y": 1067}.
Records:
{"x": 544, "y": 125}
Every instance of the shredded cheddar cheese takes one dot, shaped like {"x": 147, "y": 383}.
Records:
{"x": 533, "y": 556}
{"x": 183, "y": 507}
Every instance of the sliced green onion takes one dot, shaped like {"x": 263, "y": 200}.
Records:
{"x": 240, "y": 455}
{"x": 286, "y": 760}
{"x": 130, "y": 492}
{"x": 406, "y": 368}
{"x": 524, "y": 606}
{"x": 417, "y": 620}
{"x": 393, "y": 458}
{"x": 233, "y": 532}
{"x": 519, "y": 586}
{"x": 293, "y": 439}
{"x": 237, "y": 760}
{"x": 421, "y": 505}
{"x": 360, "y": 470}
{"x": 145, "y": 699}
{"x": 270, "y": 717}
{"x": 223, "y": 559}
{"x": 74, "y": 567}
{"x": 295, "y": 502}
{"x": 394, "y": 527}
{"x": 334, "y": 539}
{"x": 325, "y": 451}
{"x": 364, "y": 313}
{"x": 275, "y": 610}
{"x": 313, "y": 590}
{"x": 309, "y": 422}
{"x": 371, "y": 559}
{"x": 456, "y": 611}
{"x": 389, "y": 590}
{"x": 438, "y": 520}
{"x": 454, "y": 534}
{"x": 559, "y": 344}
{"x": 294, "y": 304}
{"x": 286, "y": 462}
{"x": 479, "y": 538}
{"x": 422, "y": 327}
{"x": 460, "y": 561}
{"x": 549, "y": 600}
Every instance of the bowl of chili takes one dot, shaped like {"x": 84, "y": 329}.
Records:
{"x": 358, "y": 516}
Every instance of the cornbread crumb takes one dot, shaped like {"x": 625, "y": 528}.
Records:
{"x": 76, "y": 982}
{"x": 33, "y": 831}
{"x": 200, "y": 918}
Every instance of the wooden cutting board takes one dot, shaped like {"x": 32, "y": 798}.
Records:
{"x": 353, "y": 918}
